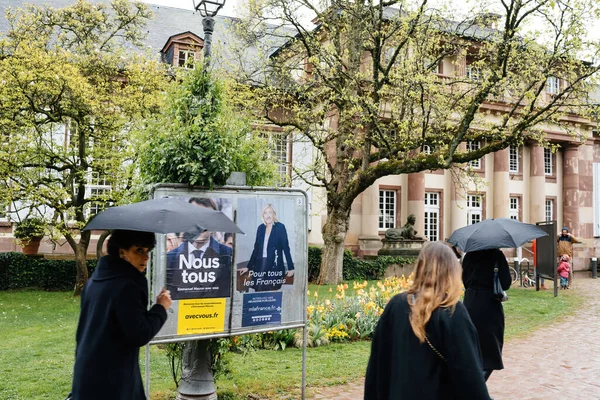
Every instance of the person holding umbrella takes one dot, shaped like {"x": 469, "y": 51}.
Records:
{"x": 115, "y": 321}
{"x": 484, "y": 308}
{"x": 481, "y": 243}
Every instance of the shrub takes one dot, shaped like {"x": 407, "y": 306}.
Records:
{"x": 18, "y": 271}
{"x": 355, "y": 268}
{"x": 358, "y": 269}
{"x": 30, "y": 228}
{"x": 314, "y": 262}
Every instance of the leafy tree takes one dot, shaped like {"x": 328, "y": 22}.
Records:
{"x": 199, "y": 139}
{"x": 73, "y": 86}
{"x": 366, "y": 90}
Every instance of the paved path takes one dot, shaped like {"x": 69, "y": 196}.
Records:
{"x": 535, "y": 367}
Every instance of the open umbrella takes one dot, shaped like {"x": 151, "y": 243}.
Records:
{"x": 494, "y": 234}
{"x": 165, "y": 215}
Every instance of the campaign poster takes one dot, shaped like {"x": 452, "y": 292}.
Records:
{"x": 201, "y": 316}
{"x": 199, "y": 264}
{"x": 265, "y": 258}
{"x": 261, "y": 309}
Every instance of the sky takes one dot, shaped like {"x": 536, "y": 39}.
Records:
{"x": 229, "y": 9}
{"x": 232, "y": 8}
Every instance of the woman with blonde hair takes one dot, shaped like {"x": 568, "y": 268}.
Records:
{"x": 425, "y": 346}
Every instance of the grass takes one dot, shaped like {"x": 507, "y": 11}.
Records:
{"x": 527, "y": 309}
{"x": 37, "y": 349}
{"x": 323, "y": 290}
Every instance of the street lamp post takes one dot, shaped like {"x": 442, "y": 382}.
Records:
{"x": 208, "y": 9}
{"x": 197, "y": 381}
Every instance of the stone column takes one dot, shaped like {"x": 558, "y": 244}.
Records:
{"x": 416, "y": 200}
{"x": 501, "y": 184}
{"x": 369, "y": 241}
{"x": 458, "y": 204}
{"x": 537, "y": 187}
{"x": 458, "y": 200}
{"x": 571, "y": 189}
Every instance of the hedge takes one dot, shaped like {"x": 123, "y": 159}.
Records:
{"x": 355, "y": 268}
{"x": 20, "y": 271}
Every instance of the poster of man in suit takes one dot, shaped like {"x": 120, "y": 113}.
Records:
{"x": 199, "y": 264}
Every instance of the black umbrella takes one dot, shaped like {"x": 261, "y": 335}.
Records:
{"x": 494, "y": 234}
{"x": 166, "y": 215}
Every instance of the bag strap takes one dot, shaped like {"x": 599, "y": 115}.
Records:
{"x": 434, "y": 349}
{"x": 427, "y": 339}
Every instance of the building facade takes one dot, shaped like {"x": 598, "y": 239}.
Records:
{"x": 529, "y": 183}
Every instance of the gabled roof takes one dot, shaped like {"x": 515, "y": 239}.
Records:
{"x": 166, "y": 23}
{"x": 469, "y": 29}
{"x": 185, "y": 38}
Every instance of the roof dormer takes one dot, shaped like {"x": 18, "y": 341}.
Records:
{"x": 181, "y": 49}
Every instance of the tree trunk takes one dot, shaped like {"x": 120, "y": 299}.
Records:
{"x": 80, "y": 250}
{"x": 81, "y": 266}
{"x": 334, "y": 234}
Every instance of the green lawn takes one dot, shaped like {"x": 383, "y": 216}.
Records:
{"x": 325, "y": 293}
{"x": 37, "y": 347}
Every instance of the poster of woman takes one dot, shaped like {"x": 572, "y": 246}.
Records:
{"x": 267, "y": 264}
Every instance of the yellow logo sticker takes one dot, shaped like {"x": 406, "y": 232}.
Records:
{"x": 200, "y": 316}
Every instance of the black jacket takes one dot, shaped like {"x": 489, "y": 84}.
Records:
{"x": 485, "y": 310}
{"x": 114, "y": 323}
{"x": 401, "y": 368}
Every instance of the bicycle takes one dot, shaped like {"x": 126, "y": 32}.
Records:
{"x": 527, "y": 281}
{"x": 514, "y": 275}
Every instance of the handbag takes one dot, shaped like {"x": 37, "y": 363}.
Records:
{"x": 499, "y": 293}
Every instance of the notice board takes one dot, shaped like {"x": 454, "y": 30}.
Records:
{"x": 225, "y": 284}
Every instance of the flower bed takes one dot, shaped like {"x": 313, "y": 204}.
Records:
{"x": 351, "y": 316}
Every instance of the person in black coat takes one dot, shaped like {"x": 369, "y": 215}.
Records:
{"x": 484, "y": 308}
{"x": 266, "y": 265}
{"x": 115, "y": 321}
{"x": 425, "y": 346}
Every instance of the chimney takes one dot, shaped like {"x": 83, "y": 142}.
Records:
{"x": 487, "y": 20}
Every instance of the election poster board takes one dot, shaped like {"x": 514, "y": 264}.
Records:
{"x": 224, "y": 283}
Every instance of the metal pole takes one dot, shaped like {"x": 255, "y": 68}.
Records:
{"x": 147, "y": 372}
{"x": 304, "y": 337}
{"x": 208, "y": 23}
